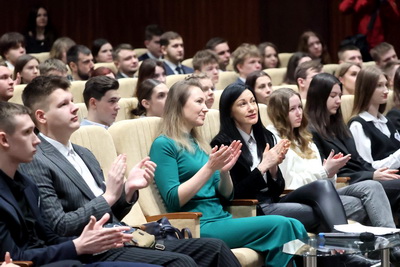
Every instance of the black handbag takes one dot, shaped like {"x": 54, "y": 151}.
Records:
{"x": 163, "y": 230}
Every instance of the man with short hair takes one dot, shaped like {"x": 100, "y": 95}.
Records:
{"x": 53, "y": 66}
{"x": 126, "y": 61}
{"x": 72, "y": 187}
{"x": 12, "y": 46}
{"x": 174, "y": 52}
{"x": 350, "y": 53}
{"x": 6, "y": 82}
{"x": 101, "y": 99}
{"x": 221, "y": 48}
{"x": 152, "y": 42}
{"x": 206, "y": 61}
{"x": 246, "y": 59}
{"x": 304, "y": 73}
{"x": 383, "y": 53}
{"x": 80, "y": 61}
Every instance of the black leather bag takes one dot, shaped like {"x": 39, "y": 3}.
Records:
{"x": 163, "y": 230}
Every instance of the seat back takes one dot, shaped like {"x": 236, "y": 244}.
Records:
{"x": 188, "y": 62}
{"x": 225, "y": 79}
{"x": 277, "y": 75}
{"x": 41, "y": 56}
{"x": 76, "y": 90}
{"x": 347, "y": 106}
{"x": 127, "y": 87}
{"x": 17, "y": 96}
{"x": 291, "y": 86}
{"x": 109, "y": 65}
{"x": 284, "y": 59}
{"x": 172, "y": 79}
{"x": 140, "y": 51}
{"x": 330, "y": 68}
{"x": 217, "y": 97}
{"x": 82, "y": 111}
{"x": 211, "y": 125}
{"x": 126, "y": 106}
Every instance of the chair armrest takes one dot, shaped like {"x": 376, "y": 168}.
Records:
{"x": 243, "y": 202}
{"x": 342, "y": 180}
{"x": 21, "y": 263}
{"x": 175, "y": 215}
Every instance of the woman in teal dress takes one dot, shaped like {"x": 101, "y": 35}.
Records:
{"x": 193, "y": 177}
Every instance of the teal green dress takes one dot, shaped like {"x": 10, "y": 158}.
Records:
{"x": 262, "y": 233}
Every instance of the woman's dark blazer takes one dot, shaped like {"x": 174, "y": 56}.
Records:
{"x": 247, "y": 184}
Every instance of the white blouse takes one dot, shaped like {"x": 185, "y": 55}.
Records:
{"x": 298, "y": 171}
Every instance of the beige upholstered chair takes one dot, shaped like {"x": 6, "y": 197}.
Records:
{"x": 127, "y": 87}
{"x": 230, "y": 65}
{"x": 284, "y": 59}
{"x": 126, "y": 106}
{"x": 264, "y": 115}
{"x": 188, "y": 62}
{"x": 368, "y": 63}
{"x": 109, "y": 65}
{"x": 17, "y": 96}
{"x": 291, "y": 86}
{"x": 76, "y": 90}
{"x": 140, "y": 51}
{"x": 217, "y": 96}
{"x": 277, "y": 75}
{"x": 171, "y": 79}
{"x": 82, "y": 111}
{"x": 225, "y": 79}
{"x": 41, "y": 56}
{"x": 390, "y": 102}
{"x": 347, "y": 106}
{"x": 134, "y": 138}
{"x": 330, "y": 68}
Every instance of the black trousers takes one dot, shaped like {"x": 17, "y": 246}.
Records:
{"x": 177, "y": 253}
{"x": 392, "y": 189}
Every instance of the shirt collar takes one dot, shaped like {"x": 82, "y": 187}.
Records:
{"x": 246, "y": 136}
{"x": 153, "y": 57}
{"x": 88, "y": 122}
{"x": 369, "y": 117}
{"x": 65, "y": 150}
{"x": 172, "y": 65}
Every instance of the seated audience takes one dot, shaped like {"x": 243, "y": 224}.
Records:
{"x": 260, "y": 83}
{"x": 126, "y": 61}
{"x": 303, "y": 165}
{"x": 304, "y": 73}
{"x": 207, "y": 86}
{"x": 221, "y": 48}
{"x": 246, "y": 59}
{"x": 102, "y": 51}
{"x": 389, "y": 70}
{"x": 101, "y": 99}
{"x": 40, "y": 34}
{"x": 26, "y": 233}
{"x": 295, "y": 60}
{"x": 383, "y": 53}
{"x": 26, "y": 69}
{"x": 6, "y": 83}
{"x": 206, "y": 61}
{"x": 102, "y": 71}
{"x": 152, "y": 42}
{"x": 12, "y": 46}
{"x": 60, "y": 47}
{"x": 331, "y": 133}
{"x": 347, "y": 73}
{"x": 80, "y": 61}
{"x": 53, "y": 66}
{"x": 193, "y": 177}
{"x": 72, "y": 188}
{"x": 151, "y": 69}
{"x": 350, "y": 53}
{"x": 312, "y": 44}
{"x": 151, "y": 95}
{"x": 269, "y": 55}
{"x": 394, "y": 114}
{"x": 173, "y": 51}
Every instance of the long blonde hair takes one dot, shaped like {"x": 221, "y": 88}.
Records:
{"x": 173, "y": 123}
{"x": 278, "y": 110}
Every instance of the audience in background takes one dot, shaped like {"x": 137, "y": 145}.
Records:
{"x": 260, "y": 83}
{"x": 151, "y": 95}
{"x": 350, "y": 53}
{"x": 102, "y": 51}
{"x": 246, "y": 59}
{"x": 390, "y": 69}
{"x": 151, "y": 69}
{"x": 206, "y": 61}
{"x": 26, "y": 69}
{"x": 207, "y": 86}
{"x": 174, "y": 53}
{"x": 6, "y": 82}
{"x": 304, "y": 74}
{"x": 347, "y": 73}
{"x": 312, "y": 44}
{"x": 394, "y": 114}
{"x": 152, "y": 36}
{"x": 383, "y": 53}
{"x": 12, "y": 46}
{"x": 269, "y": 55}
{"x": 80, "y": 61}
{"x": 102, "y": 71}
{"x": 60, "y": 47}
{"x": 295, "y": 60}
{"x": 126, "y": 61}
{"x": 221, "y": 48}
{"x": 53, "y": 66}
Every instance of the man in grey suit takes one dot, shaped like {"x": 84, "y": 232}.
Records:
{"x": 72, "y": 188}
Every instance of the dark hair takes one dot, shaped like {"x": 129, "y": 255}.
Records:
{"x": 97, "y": 87}
{"x": 380, "y": 49}
{"x": 147, "y": 70}
{"x": 74, "y": 51}
{"x": 213, "y": 42}
{"x": 168, "y": 36}
{"x": 291, "y": 67}
{"x": 152, "y": 30}
{"x": 97, "y": 44}
{"x": 119, "y": 48}
{"x": 301, "y": 70}
{"x": 144, "y": 91}
{"x": 228, "y": 126}
{"x": 318, "y": 115}
{"x": 204, "y": 57}
{"x": 20, "y": 64}
{"x": 39, "y": 89}
{"x": 261, "y": 48}
{"x": 8, "y": 111}
{"x": 303, "y": 46}
{"x": 31, "y": 27}
{"x": 252, "y": 78}
{"x": 58, "y": 47}
{"x": 346, "y": 48}
{"x": 10, "y": 40}
{"x": 396, "y": 88}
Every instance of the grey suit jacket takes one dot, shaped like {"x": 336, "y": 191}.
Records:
{"x": 67, "y": 200}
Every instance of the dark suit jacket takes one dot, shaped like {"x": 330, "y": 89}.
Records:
{"x": 13, "y": 232}
{"x": 247, "y": 183}
{"x": 356, "y": 168}
{"x": 239, "y": 81}
{"x": 394, "y": 116}
{"x": 143, "y": 57}
{"x": 169, "y": 71}
{"x": 68, "y": 201}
